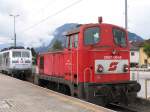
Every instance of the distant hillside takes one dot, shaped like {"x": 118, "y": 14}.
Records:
{"x": 4, "y": 46}
{"x": 59, "y": 35}
{"x": 134, "y": 37}
{"x": 41, "y": 49}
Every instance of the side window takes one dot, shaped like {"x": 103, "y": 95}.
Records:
{"x": 67, "y": 42}
{"x": 42, "y": 62}
{"x": 91, "y": 35}
{"x": 132, "y": 53}
{"x": 119, "y": 37}
{"x": 75, "y": 40}
{"x": 71, "y": 38}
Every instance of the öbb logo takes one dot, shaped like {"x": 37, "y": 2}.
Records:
{"x": 113, "y": 66}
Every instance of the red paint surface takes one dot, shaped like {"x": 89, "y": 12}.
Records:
{"x": 64, "y": 64}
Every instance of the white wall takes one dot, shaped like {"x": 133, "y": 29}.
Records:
{"x": 134, "y": 58}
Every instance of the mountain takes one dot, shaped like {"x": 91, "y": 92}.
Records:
{"x": 59, "y": 35}
{"x": 60, "y": 31}
{"x": 4, "y": 46}
{"x": 134, "y": 37}
{"x": 41, "y": 49}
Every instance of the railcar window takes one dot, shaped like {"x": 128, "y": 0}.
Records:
{"x": 91, "y": 35}
{"x": 119, "y": 37}
{"x": 76, "y": 40}
{"x": 16, "y": 54}
{"x": 26, "y": 54}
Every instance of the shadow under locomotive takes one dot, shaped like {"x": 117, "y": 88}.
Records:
{"x": 100, "y": 94}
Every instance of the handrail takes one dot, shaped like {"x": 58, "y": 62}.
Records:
{"x": 86, "y": 69}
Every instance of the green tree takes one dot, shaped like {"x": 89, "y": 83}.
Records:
{"x": 57, "y": 45}
{"x": 147, "y": 50}
{"x": 34, "y": 56}
{"x": 33, "y": 52}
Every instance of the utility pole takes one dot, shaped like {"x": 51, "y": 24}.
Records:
{"x": 14, "y": 16}
{"x": 126, "y": 14}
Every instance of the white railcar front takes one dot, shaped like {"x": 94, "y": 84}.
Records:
{"x": 16, "y": 61}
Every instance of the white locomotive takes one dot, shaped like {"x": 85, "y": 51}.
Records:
{"x": 16, "y": 62}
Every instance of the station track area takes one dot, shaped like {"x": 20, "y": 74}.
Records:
{"x": 21, "y": 96}
{"x": 139, "y": 105}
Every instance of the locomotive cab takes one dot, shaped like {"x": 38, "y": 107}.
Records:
{"x": 100, "y": 51}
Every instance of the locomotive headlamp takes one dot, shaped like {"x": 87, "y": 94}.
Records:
{"x": 100, "y": 20}
{"x": 100, "y": 68}
{"x": 126, "y": 68}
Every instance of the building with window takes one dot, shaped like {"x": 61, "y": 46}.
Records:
{"x": 134, "y": 55}
{"x": 143, "y": 57}
{"x": 137, "y": 54}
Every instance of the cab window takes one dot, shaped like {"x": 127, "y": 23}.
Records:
{"x": 71, "y": 39}
{"x": 75, "y": 40}
{"x": 67, "y": 42}
{"x": 119, "y": 37}
{"x": 91, "y": 35}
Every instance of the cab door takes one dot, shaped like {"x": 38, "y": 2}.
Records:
{"x": 71, "y": 69}
{"x": 74, "y": 58}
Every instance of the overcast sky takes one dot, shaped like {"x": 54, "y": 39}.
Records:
{"x": 39, "y": 18}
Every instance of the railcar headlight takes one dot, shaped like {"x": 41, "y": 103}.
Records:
{"x": 126, "y": 68}
{"x": 100, "y": 68}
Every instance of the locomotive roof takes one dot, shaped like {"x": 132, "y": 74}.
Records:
{"x": 77, "y": 29}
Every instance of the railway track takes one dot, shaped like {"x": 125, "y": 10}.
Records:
{"x": 120, "y": 108}
{"x": 139, "y": 105}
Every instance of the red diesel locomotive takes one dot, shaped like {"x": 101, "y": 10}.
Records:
{"x": 93, "y": 66}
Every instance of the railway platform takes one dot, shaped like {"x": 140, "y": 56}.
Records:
{"x": 21, "y": 96}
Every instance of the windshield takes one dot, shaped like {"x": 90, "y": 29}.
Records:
{"x": 91, "y": 35}
{"x": 119, "y": 37}
{"x": 25, "y": 54}
{"x": 16, "y": 54}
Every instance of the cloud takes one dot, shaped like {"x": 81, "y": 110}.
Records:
{"x": 87, "y": 11}
{"x": 5, "y": 40}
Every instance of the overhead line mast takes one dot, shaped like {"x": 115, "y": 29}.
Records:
{"x": 126, "y": 14}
